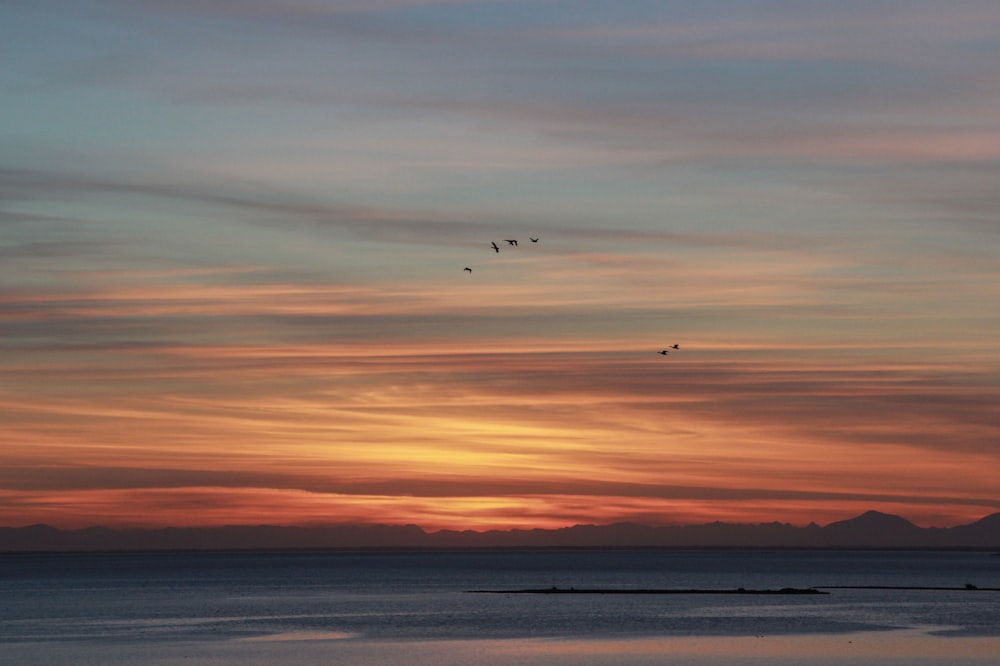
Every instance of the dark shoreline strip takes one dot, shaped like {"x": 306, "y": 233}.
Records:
{"x": 574, "y": 590}
{"x": 819, "y": 589}
{"x": 966, "y": 588}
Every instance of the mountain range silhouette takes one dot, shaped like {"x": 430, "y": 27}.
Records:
{"x": 871, "y": 529}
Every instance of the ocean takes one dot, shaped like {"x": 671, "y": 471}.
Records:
{"x": 456, "y": 607}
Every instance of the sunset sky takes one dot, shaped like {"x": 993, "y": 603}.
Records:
{"x": 233, "y": 236}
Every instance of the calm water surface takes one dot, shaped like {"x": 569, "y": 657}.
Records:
{"x": 401, "y": 607}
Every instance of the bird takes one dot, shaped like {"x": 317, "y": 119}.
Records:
{"x": 533, "y": 240}
{"x": 494, "y": 246}
{"x": 468, "y": 269}
{"x": 664, "y": 352}
{"x": 511, "y": 241}
{"x": 675, "y": 346}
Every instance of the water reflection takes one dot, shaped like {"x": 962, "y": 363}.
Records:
{"x": 891, "y": 648}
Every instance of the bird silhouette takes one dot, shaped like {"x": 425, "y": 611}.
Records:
{"x": 533, "y": 240}
{"x": 675, "y": 346}
{"x": 664, "y": 352}
{"x": 494, "y": 246}
{"x": 468, "y": 269}
{"x": 511, "y": 241}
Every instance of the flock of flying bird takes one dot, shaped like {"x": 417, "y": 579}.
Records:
{"x": 513, "y": 243}
{"x": 496, "y": 248}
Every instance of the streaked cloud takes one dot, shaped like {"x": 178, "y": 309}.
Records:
{"x": 232, "y": 242}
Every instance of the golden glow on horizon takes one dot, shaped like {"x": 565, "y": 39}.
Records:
{"x": 209, "y": 507}
{"x": 890, "y": 647}
{"x": 431, "y": 433}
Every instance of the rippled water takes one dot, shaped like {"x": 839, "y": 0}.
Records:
{"x": 112, "y": 604}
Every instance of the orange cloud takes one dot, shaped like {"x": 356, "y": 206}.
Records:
{"x": 210, "y": 506}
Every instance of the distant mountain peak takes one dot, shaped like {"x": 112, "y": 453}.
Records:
{"x": 875, "y": 520}
{"x": 988, "y": 521}
{"x": 41, "y": 528}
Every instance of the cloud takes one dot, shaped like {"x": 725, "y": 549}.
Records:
{"x": 884, "y": 32}
{"x": 297, "y": 8}
{"x": 535, "y": 97}
{"x": 157, "y": 497}
{"x": 88, "y": 478}
{"x": 253, "y": 203}
{"x": 242, "y": 280}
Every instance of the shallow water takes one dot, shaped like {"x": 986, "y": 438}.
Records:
{"x": 415, "y": 607}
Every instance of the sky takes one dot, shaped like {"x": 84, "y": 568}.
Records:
{"x": 233, "y": 236}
